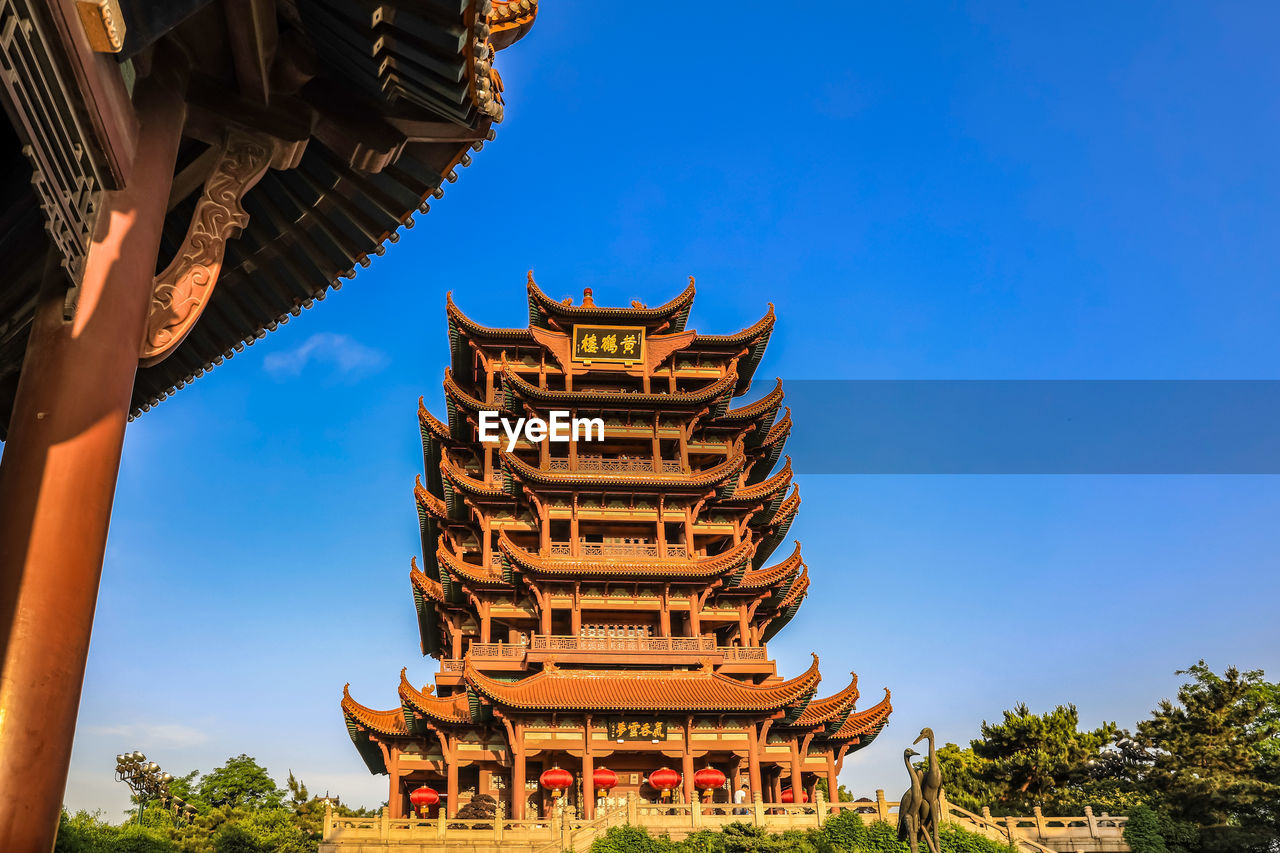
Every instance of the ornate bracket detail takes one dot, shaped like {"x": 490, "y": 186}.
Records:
{"x": 183, "y": 290}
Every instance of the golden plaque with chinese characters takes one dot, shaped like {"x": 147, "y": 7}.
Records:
{"x": 619, "y": 344}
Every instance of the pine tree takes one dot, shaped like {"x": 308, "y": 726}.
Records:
{"x": 1214, "y": 757}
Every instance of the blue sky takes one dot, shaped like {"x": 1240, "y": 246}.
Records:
{"x": 932, "y": 191}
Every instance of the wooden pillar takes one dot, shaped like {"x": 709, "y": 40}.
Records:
{"x": 452, "y": 764}
{"x": 695, "y": 616}
{"x": 486, "y": 624}
{"x": 518, "y": 795}
{"x": 753, "y": 760}
{"x": 686, "y": 769}
{"x": 744, "y": 632}
{"x": 58, "y": 476}
{"x": 775, "y": 793}
{"x": 588, "y": 803}
{"x": 664, "y": 616}
{"x": 576, "y": 615}
{"x": 797, "y": 775}
{"x": 395, "y": 799}
{"x": 833, "y": 780}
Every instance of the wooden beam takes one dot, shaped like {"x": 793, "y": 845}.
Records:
{"x": 251, "y": 31}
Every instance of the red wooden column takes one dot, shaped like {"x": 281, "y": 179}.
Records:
{"x": 833, "y": 780}
{"x": 686, "y": 765}
{"x": 518, "y": 795}
{"x": 58, "y": 477}
{"x": 753, "y": 761}
{"x": 396, "y": 796}
{"x": 588, "y": 805}
{"x": 797, "y": 775}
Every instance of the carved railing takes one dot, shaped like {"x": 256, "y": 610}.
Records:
{"x": 620, "y": 549}
{"x": 598, "y": 464}
{"x": 499, "y": 651}
{"x": 562, "y": 830}
{"x": 570, "y": 643}
{"x": 741, "y": 653}
{"x": 450, "y": 665}
{"x": 1037, "y": 833}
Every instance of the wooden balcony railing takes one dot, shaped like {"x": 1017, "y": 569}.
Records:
{"x": 620, "y": 549}
{"x": 569, "y": 643}
{"x": 616, "y": 466}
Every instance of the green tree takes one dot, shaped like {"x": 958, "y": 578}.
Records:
{"x": 1027, "y": 757}
{"x": 240, "y": 782}
{"x": 1213, "y": 757}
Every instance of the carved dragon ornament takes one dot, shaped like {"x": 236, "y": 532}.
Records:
{"x": 182, "y": 291}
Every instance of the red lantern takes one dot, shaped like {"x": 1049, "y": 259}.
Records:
{"x": 664, "y": 779}
{"x": 789, "y": 797}
{"x": 556, "y": 780}
{"x": 605, "y": 779}
{"x": 423, "y": 797}
{"x": 707, "y": 778}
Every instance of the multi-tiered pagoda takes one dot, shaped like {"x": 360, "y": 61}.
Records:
{"x": 607, "y": 603}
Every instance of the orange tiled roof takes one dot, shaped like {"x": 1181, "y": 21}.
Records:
{"x": 430, "y": 587}
{"x": 466, "y": 482}
{"x": 471, "y": 326}
{"x": 763, "y": 489}
{"x": 618, "y": 690}
{"x": 799, "y": 587}
{"x": 779, "y": 430}
{"x": 701, "y": 480}
{"x": 865, "y": 722}
{"x": 768, "y": 402}
{"x": 770, "y": 575}
{"x": 820, "y": 711}
{"x": 544, "y": 303}
{"x": 465, "y": 570}
{"x": 527, "y": 390}
{"x": 383, "y": 722}
{"x": 764, "y": 324}
{"x": 428, "y": 502}
{"x": 456, "y": 392}
{"x": 448, "y": 709}
{"x": 788, "y": 508}
{"x": 698, "y": 567}
{"x": 430, "y": 423}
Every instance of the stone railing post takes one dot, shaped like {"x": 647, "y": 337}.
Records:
{"x": 986, "y": 813}
{"x": 384, "y": 823}
{"x": 1011, "y": 827}
{"x": 328, "y": 820}
{"x": 757, "y": 809}
{"x": 566, "y": 828}
{"x": 820, "y": 807}
{"x": 882, "y": 806}
{"x": 1092, "y": 821}
{"x": 498, "y": 828}
{"x": 633, "y": 809}
{"x": 1039, "y": 816}
{"x": 695, "y": 811}
{"x": 944, "y": 808}
{"x": 441, "y": 826}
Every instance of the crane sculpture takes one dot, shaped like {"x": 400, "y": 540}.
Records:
{"x": 931, "y": 792}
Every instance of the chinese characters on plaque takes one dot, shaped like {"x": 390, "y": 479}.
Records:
{"x": 624, "y": 344}
{"x": 620, "y": 729}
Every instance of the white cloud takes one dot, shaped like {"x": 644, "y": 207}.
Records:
{"x": 345, "y": 354}
{"x": 169, "y": 734}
